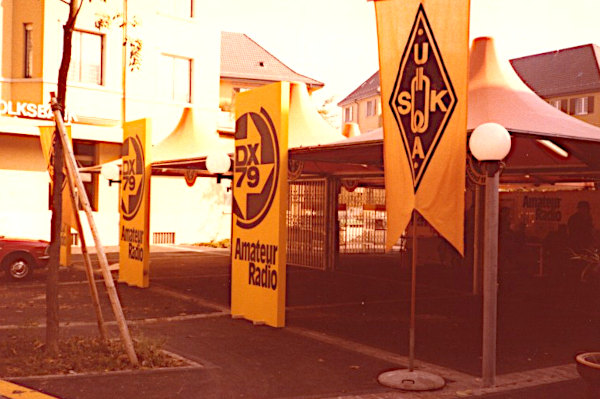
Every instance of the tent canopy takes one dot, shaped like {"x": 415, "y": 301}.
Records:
{"x": 496, "y": 94}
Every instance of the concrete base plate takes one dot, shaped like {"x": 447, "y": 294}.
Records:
{"x": 415, "y": 380}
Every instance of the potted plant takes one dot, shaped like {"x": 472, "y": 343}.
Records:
{"x": 588, "y": 367}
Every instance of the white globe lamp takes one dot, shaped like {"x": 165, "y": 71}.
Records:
{"x": 490, "y": 142}
{"x": 218, "y": 163}
{"x": 110, "y": 171}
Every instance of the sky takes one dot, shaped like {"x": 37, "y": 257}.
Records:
{"x": 335, "y": 41}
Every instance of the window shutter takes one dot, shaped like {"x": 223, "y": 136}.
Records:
{"x": 590, "y": 105}
{"x": 564, "y": 105}
{"x": 572, "y": 106}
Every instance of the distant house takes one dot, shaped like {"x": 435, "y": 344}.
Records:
{"x": 246, "y": 65}
{"x": 363, "y": 105}
{"x": 569, "y": 79}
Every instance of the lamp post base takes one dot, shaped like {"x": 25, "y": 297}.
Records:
{"x": 415, "y": 380}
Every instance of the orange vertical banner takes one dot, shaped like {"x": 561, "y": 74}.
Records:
{"x": 423, "y": 58}
{"x": 134, "y": 204}
{"x": 68, "y": 218}
{"x": 260, "y": 190}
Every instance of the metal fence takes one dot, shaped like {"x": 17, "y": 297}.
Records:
{"x": 307, "y": 224}
{"x": 362, "y": 220}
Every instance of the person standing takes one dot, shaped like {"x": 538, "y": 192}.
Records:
{"x": 581, "y": 228}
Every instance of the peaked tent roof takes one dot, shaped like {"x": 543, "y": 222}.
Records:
{"x": 561, "y": 72}
{"x": 193, "y": 137}
{"x": 306, "y": 126}
{"x": 496, "y": 94}
{"x": 243, "y": 58}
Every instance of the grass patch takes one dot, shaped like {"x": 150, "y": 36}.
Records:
{"x": 22, "y": 356}
{"x": 214, "y": 244}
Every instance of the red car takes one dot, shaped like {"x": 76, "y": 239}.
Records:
{"x": 19, "y": 256}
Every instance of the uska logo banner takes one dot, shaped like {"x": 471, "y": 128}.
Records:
{"x": 423, "y": 59}
{"x": 134, "y": 204}
{"x": 423, "y": 98}
{"x": 256, "y": 167}
{"x": 259, "y": 205}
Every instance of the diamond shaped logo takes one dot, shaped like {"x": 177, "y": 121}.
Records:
{"x": 423, "y": 98}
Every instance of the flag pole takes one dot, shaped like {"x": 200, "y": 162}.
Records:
{"x": 413, "y": 294}
{"x": 410, "y": 379}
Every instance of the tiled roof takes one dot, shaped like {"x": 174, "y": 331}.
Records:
{"x": 369, "y": 88}
{"x": 562, "y": 72}
{"x": 243, "y": 58}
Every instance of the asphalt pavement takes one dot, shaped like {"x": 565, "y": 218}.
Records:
{"x": 343, "y": 329}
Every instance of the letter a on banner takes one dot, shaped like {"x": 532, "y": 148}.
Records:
{"x": 134, "y": 204}
{"x": 423, "y": 58}
{"x": 68, "y": 218}
{"x": 260, "y": 188}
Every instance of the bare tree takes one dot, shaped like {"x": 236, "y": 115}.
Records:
{"x": 52, "y": 320}
{"x": 57, "y": 163}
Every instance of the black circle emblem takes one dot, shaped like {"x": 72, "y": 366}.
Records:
{"x": 132, "y": 177}
{"x": 256, "y": 170}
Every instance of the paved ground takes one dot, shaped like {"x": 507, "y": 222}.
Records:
{"x": 343, "y": 329}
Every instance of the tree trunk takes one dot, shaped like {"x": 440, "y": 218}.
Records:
{"x": 52, "y": 320}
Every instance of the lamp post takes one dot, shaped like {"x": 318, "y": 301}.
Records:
{"x": 489, "y": 144}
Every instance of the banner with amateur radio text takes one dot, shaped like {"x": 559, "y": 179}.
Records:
{"x": 260, "y": 190}
{"x": 134, "y": 204}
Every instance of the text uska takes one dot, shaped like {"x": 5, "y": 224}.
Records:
{"x": 260, "y": 257}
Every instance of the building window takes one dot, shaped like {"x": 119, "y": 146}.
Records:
{"x": 348, "y": 114}
{"x": 86, "y": 58}
{"x": 176, "y": 78}
{"x": 86, "y": 155}
{"x": 180, "y": 8}
{"x": 371, "y": 106}
{"x": 28, "y": 65}
{"x": 582, "y": 105}
{"x": 562, "y": 105}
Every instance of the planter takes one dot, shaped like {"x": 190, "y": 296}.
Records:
{"x": 588, "y": 367}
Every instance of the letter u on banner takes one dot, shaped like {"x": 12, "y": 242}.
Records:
{"x": 423, "y": 58}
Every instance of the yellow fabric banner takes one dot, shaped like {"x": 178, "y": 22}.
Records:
{"x": 68, "y": 217}
{"x": 423, "y": 58}
{"x": 260, "y": 190}
{"x": 134, "y": 208}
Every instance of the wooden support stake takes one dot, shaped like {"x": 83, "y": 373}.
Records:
{"x": 88, "y": 264}
{"x": 73, "y": 174}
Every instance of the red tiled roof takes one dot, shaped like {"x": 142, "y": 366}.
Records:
{"x": 243, "y": 58}
{"x": 368, "y": 88}
{"x": 562, "y": 72}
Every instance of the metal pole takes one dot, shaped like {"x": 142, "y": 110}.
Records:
{"x": 477, "y": 227}
{"x": 490, "y": 275}
{"x": 124, "y": 67}
{"x": 413, "y": 292}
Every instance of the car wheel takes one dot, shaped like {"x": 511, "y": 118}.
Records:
{"x": 19, "y": 269}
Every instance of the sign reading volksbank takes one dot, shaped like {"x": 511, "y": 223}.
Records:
{"x": 135, "y": 204}
{"x": 259, "y": 205}
{"x": 31, "y": 110}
